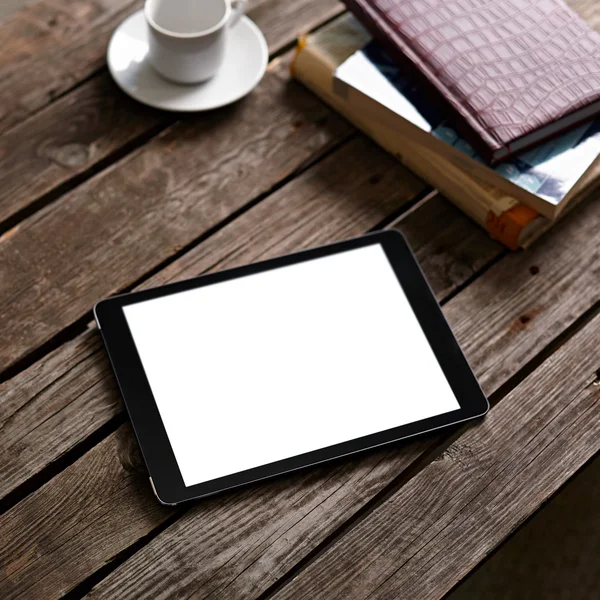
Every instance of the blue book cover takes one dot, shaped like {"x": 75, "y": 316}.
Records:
{"x": 550, "y": 170}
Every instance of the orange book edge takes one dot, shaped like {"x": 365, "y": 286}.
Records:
{"x": 507, "y": 227}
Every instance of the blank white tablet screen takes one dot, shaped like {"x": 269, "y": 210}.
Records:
{"x": 269, "y": 366}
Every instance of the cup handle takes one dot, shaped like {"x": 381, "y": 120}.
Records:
{"x": 238, "y": 9}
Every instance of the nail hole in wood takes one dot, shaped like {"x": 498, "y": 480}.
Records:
{"x": 375, "y": 179}
{"x": 534, "y": 270}
{"x": 524, "y": 319}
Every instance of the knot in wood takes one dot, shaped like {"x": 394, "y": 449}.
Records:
{"x": 128, "y": 451}
{"x": 458, "y": 453}
{"x": 71, "y": 156}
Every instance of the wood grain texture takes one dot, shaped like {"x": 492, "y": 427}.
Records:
{"x": 449, "y": 246}
{"x": 336, "y": 199}
{"x": 52, "y": 46}
{"x": 422, "y": 540}
{"x": 428, "y": 238}
{"x": 66, "y": 139}
{"x": 271, "y": 538}
{"x": 64, "y": 515}
{"x": 72, "y": 390}
{"x": 529, "y": 298}
{"x": 263, "y": 556}
{"x": 41, "y": 25}
{"x": 97, "y": 120}
{"x": 51, "y": 406}
{"x": 282, "y": 21}
{"x": 110, "y": 231}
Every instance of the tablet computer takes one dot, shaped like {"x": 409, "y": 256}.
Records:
{"x": 241, "y": 375}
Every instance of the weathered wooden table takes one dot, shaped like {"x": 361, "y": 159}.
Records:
{"x": 100, "y": 195}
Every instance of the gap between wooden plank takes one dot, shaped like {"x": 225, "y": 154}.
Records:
{"x": 57, "y": 44}
{"x": 327, "y": 204}
{"x": 436, "y": 451}
{"x": 390, "y": 191}
{"x": 474, "y": 477}
{"x": 511, "y": 535}
{"x": 576, "y": 226}
{"x": 140, "y": 212}
{"x": 96, "y": 124}
{"x": 183, "y": 530}
{"x": 546, "y": 353}
{"x": 70, "y": 160}
{"x": 60, "y": 43}
{"x": 83, "y": 323}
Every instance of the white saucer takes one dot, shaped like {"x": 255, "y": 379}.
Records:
{"x": 245, "y": 63}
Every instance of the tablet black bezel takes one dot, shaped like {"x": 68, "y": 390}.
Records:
{"x": 143, "y": 411}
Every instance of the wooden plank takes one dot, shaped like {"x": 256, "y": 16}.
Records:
{"x": 51, "y": 46}
{"x": 552, "y": 554}
{"x": 110, "y": 231}
{"x": 529, "y": 298}
{"x": 279, "y": 526}
{"x": 37, "y": 333}
{"x": 88, "y": 126}
{"x": 110, "y": 475}
{"x": 380, "y": 182}
{"x": 253, "y": 554}
{"x": 47, "y": 409}
{"x": 42, "y": 153}
{"x": 72, "y": 389}
{"x": 59, "y": 43}
{"x": 26, "y": 35}
{"x": 282, "y": 21}
{"x": 426, "y": 537}
{"x": 344, "y": 195}
{"x": 67, "y": 138}
{"x": 449, "y": 247}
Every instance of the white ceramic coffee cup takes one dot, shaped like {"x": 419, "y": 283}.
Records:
{"x": 187, "y": 37}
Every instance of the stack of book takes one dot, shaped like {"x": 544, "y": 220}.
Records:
{"x": 516, "y": 200}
